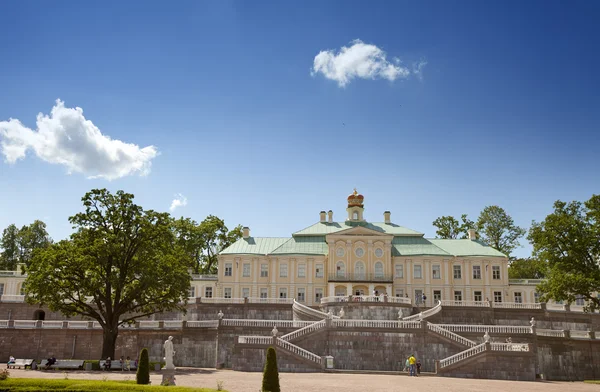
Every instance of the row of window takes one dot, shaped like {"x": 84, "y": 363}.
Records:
{"x": 283, "y": 270}
{"x": 436, "y": 271}
{"x": 208, "y": 292}
{"x": 283, "y": 293}
{"x": 21, "y": 290}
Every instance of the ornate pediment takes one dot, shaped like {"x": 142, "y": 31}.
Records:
{"x": 360, "y": 231}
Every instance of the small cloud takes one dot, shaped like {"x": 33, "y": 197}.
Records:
{"x": 66, "y": 137}
{"x": 359, "y": 60}
{"x": 178, "y": 201}
{"x": 418, "y": 68}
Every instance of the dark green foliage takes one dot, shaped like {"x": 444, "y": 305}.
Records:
{"x": 271, "y": 373}
{"x": 143, "y": 371}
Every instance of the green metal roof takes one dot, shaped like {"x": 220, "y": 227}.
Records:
{"x": 320, "y": 228}
{"x": 303, "y": 246}
{"x": 467, "y": 248}
{"x": 415, "y": 246}
{"x": 254, "y": 246}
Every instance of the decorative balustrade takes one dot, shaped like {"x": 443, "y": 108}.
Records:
{"x": 265, "y": 323}
{"x": 461, "y": 356}
{"x": 523, "y": 347}
{"x": 496, "y": 329}
{"x": 25, "y": 323}
{"x": 173, "y": 324}
{"x": 96, "y": 325}
{"x": 299, "y": 351}
{"x": 221, "y": 300}
{"x": 550, "y": 332}
{"x": 365, "y": 298}
{"x": 282, "y": 301}
{"x": 12, "y": 298}
{"x": 203, "y": 324}
{"x": 579, "y": 334}
{"x": 3, "y": 323}
{"x": 8, "y": 273}
{"x": 349, "y": 323}
{"x": 555, "y": 306}
{"x": 513, "y": 305}
{"x": 300, "y": 308}
{"x": 365, "y": 277}
{"x": 203, "y": 277}
{"x": 450, "y": 335}
{"x": 78, "y": 324}
{"x": 425, "y": 314}
{"x": 477, "y": 304}
{"x": 52, "y": 324}
{"x": 148, "y": 324}
{"x": 525, "y": 281}
{"x": 305, "y": 330}
{"x": 262, "y": 340}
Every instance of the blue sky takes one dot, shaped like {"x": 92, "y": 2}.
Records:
{"x": 247, "y": 127}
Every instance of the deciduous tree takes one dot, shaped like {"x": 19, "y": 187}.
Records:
{"x": 122, "y": 263}
{"x": 449, "y": 227}
{"x": 529, "y": 268}
{"x": 569, "y": 240}
{"x": 498, "y": 229}
{"x": 19, "y": 244}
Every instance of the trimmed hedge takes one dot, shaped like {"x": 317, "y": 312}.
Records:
{"x": 142, "y": 375}
{"x": 271, "y": 373}
{"x": 44, "y": 384}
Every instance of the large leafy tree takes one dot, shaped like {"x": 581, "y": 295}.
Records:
{"x": 498, "y": 229}
{"x": 202, "y": 242}
{"x": 19, "y": 244}
{"x": 448, "y": 227}
{"x": 529, "y": 268}
{"x": 122, "y": 263}
{"x": 569, "y": 240}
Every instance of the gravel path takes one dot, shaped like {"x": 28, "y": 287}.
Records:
{"x": 328, "y": 382}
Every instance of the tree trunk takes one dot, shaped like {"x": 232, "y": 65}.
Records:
{"x": 109, "y": 340}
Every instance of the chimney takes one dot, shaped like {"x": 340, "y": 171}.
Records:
{"x": 245, "y": 232}
{"x": 330, "y": 214}
{"x": 322, "y": 216}
{"x": 472, "y": 234}
{"x": 386, "y": 217}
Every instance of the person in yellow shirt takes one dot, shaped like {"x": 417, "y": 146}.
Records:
{"x": 412, "y": 362}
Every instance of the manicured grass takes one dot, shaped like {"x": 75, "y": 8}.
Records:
{"x": 592, "y": 381}
{"x": 39, "y": 384}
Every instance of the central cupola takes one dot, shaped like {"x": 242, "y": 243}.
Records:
{"x": 355, "y": 207}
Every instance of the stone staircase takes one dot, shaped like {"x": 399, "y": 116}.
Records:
{"x": 425, "y": 314}
{"x": 308, "y": 330}
{"x": 303, "y": 312}
{"x": 450, "y": 336}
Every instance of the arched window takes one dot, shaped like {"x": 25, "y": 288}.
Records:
{"x": 359, "y": 270}
{"x": 39, "y": 315}
{"x": 341, "y": 269}
{"x": 355, "y": 215}
{"x": 379, "y": 270}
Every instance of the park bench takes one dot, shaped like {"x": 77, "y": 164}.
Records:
{"x": 116, "y": 365}
{"x": 25, "y": 363}
{"x": 76, "y": 364}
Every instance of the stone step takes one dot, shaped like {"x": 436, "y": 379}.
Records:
{"x": 422, "y": 374}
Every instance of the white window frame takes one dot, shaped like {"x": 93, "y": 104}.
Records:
{"x": 246, "y": 270}
{"x": 480, "y": 295}
{"x": 319, "y": 270}
{"x": 302, "y": 270}
{"x": 264, "y": 292}
{"x": 458, "y": 295}
{"x": 283, "y": 292}
{"x": 379, "y": 273}
{"x": 420, "y": 269}
{"x": 439, "y": 271}
{"x": 228, "y": 269}
{"x": 496, "y": 273}
{"x": 318, "y": 295}
{"x": 227, "y": 292}
{"x": 518, "y": 296}
{"x": 399, "y": 271}
{"x": 457, "y": 272}
{"x": 283, "y": 270}
{"x": 264, "y": 270}
{"x": 192, "y": 292}
{"x": 476, "y": 272}
{"x": 245, "y": 292}
{"x": 437, "y": 297}
{"x": 301, "y": 294}
{"x": 208, "y": 292}
{"x": 497, "y": 296}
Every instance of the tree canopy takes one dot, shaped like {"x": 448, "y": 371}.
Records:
{"x": 569, "y": 241}
{"x": 19, "y": 244}
{"x": 122, "y": 263}
{"x": 498, "y": 229}
{"x": 449, "y": 227}
{"x": 202, "y": 242}
{"x": 528, "y": 268}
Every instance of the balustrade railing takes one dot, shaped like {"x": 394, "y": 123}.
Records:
{"x": 282, "y": 301}
{"x": 255, "y": 340}
{"x": 550, "y": 332}
{"x": 425, "y": 314}
{"x": 12, "y": 298}
{"x": 148, "y": 324}
{"x": 461, "y": 356}
{"x": 579, "y": 334}
{"x": 305, "y": 330}
{"x": 96, "y": 325}
{"x": 202, "y": 324}
{"x": 478, "y": 304}
{"x": 516, "y": 305}
{"x": 365, "y": 298}
{"x": 366, "y": 277}
{"x": 450, "y": 335}
{"x": 265, "y": 323}
{"x": 25, "y": 323}
{"x": 350, "y": 323}
{"x": 497, "y": 329}
{"x": 78, "y": 324}
{"x": 173, "y": 324}
{"x": 509, "y": 347}
{"x": 203, "y": 277}
{"x": 8, "y": 273}
{"x": 555, "y": 306}
{"x": 298, "y": 307}
{"x": 52, "y": 324}
{"x": 222, "y": 300}
{"x": 3, "y": 323}
{"x": 299, "y": 351}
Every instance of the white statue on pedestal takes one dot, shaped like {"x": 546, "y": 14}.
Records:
{"x": 274, "y": 332}
{"x": 220, "y": 315}
{"x": 342, "y": 313}
{"x": 532, "y": 322}
{"x": 169, "y": 353}
{"x": 486, "y": 337}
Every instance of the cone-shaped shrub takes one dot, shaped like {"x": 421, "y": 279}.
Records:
{"x": 271, "y": 374}
{"x": 143, "y": 371}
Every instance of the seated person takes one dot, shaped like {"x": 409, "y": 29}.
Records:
{"x": 51, "y": 361}
{"x": 11, "y": 361}
{"x": 107, "y": 364}
{"x": 128, "y": 363}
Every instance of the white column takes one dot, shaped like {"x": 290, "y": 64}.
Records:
{"x": 237, "y": 264}
{"x": 388, "y": 290}
{"x": 330, "y": 290}
{"x": 253, "y": 266}
{"x": 272, "y": 272}
{"x": 371, "y": 289}
{"x": 349, "y": 289}
{"x": 446, "y": 274}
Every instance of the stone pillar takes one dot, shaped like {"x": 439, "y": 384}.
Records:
{"x": 349, "y": 289}
{"x": 371, "y": 289}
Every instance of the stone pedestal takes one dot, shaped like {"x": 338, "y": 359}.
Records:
{"x": 168, "y": 377}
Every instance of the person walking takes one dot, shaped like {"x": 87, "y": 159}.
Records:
{"x": 412, "y": 365}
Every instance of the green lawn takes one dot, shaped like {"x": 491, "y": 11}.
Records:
{"x": 592, "y": 381}
{"x": 38, "y": 384}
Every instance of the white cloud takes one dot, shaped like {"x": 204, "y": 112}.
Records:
{"x": 67, "y": 138}
{"x": 357, "y": 61}
{"x": 418, "y": 68}
{"x": 178, "y": 201}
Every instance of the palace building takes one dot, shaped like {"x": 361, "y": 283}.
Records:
{"x": 358, "y": 257}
